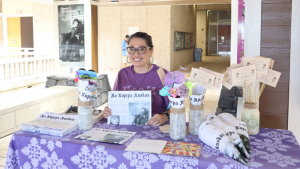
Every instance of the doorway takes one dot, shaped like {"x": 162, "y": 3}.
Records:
{"x": 20, "y": 32}
{"x": 219, "y": 32}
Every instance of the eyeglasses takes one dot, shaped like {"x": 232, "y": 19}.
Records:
{"x": 140, "y": 50}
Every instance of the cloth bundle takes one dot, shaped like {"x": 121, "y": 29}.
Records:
{"x": 224, "y": 138}
{"x": 240, "y": 126}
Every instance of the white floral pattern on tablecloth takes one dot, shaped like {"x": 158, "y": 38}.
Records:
{"x": 154, "y": 133}
{"x": 140, "y": 160}
{"x": 274, "y": 135}
{"x": 179, "y": 162}
{"x": 12, "y": 158}
{"x": 98, "y": 158}
{"x": 269, "y": 145}
{"x": 34, "y": 152}
{"x": 212, "y": 166}
{"x": 51, "y": 144}
{"x": 279, "y": 159}
{"x": 53, "y": 162}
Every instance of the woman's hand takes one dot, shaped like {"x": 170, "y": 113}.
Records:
{"x": 106, "y": 112}
{"x": 157, "y": 120}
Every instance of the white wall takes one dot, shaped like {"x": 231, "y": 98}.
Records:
{"x": 234, "y": 31}
{"x": 252, "y": 27}
{"x": 201, "y": 34}
{"x": 294, "y": 93}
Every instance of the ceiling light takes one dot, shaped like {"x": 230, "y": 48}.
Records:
{"x": 114, "y": 1}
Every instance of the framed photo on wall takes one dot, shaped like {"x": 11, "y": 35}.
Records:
{"x": 71, "y": 35}
{"x": 179, "y": 41}
{"x": 183, "y": 40}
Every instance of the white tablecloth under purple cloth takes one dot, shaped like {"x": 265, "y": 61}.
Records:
{"x": 271, "y": 148}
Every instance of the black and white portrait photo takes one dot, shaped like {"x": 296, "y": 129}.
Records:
{"x": 140, "y": 112}
{"x": 71, "y": 35}
{"x": 113, "y": 138}
{"x": 115, "y": 119}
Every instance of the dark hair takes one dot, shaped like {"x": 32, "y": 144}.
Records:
{"x": 127, "y": 36}
{"x": 144, "y": 36}
{"x": 76, "y": 21}
{"x": 145, "y": 110}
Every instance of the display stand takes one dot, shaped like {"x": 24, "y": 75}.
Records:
{"x": 85, "y": 51}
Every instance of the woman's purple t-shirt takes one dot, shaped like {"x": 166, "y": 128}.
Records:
{"x": 125, "y": 81}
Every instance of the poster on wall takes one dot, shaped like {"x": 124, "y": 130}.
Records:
{"x": 71, "y": 35}
{"x": 241, "y": 27}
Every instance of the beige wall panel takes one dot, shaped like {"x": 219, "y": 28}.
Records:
{"x": 133, "y": 16}
{"x": 110, "y": 39}
{"x": 1, "y": 32}
{"x": 201, "y": 34}
{"x": 158, "y": 26}
{"x": 10, "y": 7}
{"x": 183, "y": 18}
{"x": 43, "y": 27}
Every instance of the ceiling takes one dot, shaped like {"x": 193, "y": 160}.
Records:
{"x": 107, "y": 3}
{"x": 214, "y": 7}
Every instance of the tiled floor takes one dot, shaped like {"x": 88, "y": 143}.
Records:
{"x": 215, "y": 63}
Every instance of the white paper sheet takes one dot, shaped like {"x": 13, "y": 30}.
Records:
{"x": 147, "y": 146}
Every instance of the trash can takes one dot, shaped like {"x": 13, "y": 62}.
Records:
{"x": 197, "y": 54}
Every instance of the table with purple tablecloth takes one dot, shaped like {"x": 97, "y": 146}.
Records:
{"x": 271, "y": 148}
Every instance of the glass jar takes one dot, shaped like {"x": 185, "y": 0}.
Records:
{"x": 177, "y": 125}
{"x": 177, "y": 118}
{"x": 85, "y": 117}
{"x": 196, "y": 114}
{"x": 196, "y": 118}
{"x": 250, "y": 115}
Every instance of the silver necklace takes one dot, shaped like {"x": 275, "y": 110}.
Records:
{"x": 137, "y": 88}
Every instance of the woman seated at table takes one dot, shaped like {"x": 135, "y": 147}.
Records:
{"x": 142, "y": 75}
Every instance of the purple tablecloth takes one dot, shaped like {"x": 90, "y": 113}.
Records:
{"x": 271, "y": 148}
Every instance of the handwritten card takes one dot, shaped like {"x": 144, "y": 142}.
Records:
{"x": 271, "y": 78}
{"x": 262, "y": 64}
{"x": 271, "y": 61}
{"x": 227, "y": 81}
{"x": 246, "y": 74}
{"x": 218, "y": 76}
{"x": 202, "y": 78}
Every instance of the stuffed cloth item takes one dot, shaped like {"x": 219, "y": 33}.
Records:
{"x": 216, "y": 139}
{"x": 240, "y": 126}
{"x": 231, "y": 133}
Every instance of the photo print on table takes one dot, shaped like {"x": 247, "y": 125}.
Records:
{"x": 115, "y": 119}
{"x": 140, "y": 113}
{"x": 113, "y": 138}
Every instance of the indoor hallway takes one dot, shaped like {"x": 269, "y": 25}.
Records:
{"x": 214, "y": 63}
